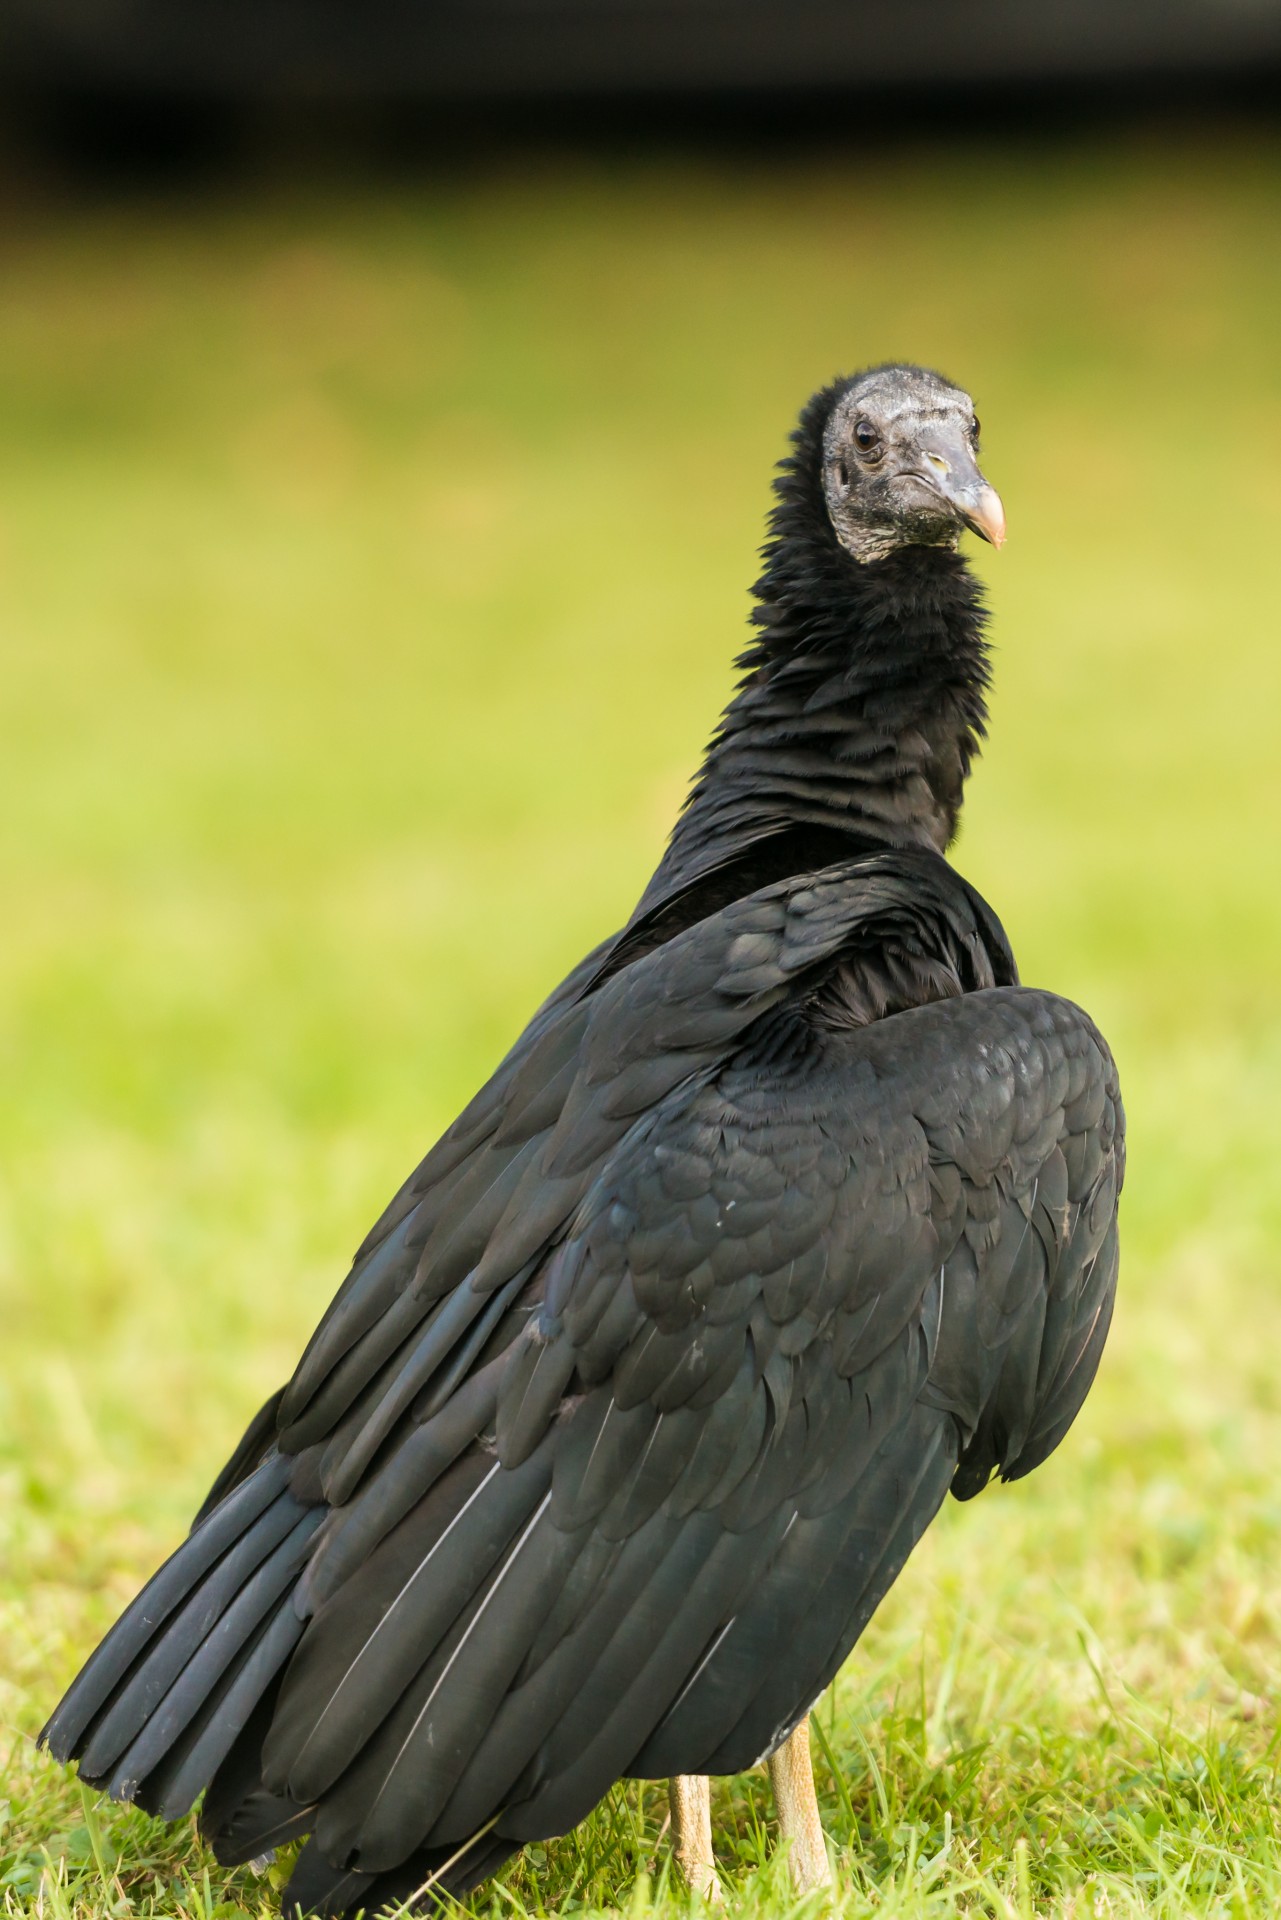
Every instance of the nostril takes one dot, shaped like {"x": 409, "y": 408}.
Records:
{"x": 938, "y": 463}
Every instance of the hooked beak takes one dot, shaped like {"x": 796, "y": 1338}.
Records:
{"x": 985, "y": 516}
{"x": 951, "y": 472}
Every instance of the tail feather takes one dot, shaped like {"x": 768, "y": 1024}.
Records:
{"x": 70, "y": 1725}
{"x": 236, "y": 1786}
{"x": 317, "y": 1887}
{"x": 188, "y": 1757}
{"x": 181, "y": 1653}
{"x": 259, "y": 1824}
{"x": 255, "y": 1443}
{"x": 161, "y": 1703}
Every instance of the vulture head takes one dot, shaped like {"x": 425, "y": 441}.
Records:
{"x": 900, "y": 465}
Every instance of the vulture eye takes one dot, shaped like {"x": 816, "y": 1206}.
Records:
{"x": 865, "y": 436}
{"x": 974, "y": 430}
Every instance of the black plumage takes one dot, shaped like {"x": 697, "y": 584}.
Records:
{"x": 789, "y": 1210}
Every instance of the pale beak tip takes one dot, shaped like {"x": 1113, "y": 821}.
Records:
{"x": 989, "y": 517}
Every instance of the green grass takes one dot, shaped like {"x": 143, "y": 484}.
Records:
{"x": 371, "y": 564}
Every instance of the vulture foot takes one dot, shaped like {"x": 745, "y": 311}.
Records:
{"x": 792, "y": 1778}
{"x": 800, "y": 1829}
{"x": 691, "y": 1798}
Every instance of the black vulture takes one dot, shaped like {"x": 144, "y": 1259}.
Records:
{"x": 789, "y": 1211}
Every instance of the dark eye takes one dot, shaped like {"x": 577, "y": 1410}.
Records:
{"x": 865, "y": 436}
{"x": 974, "y": 430}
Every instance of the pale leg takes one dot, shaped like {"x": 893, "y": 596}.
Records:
{"x": 691, "y": 1798}
{"x": 792, "y": 1779}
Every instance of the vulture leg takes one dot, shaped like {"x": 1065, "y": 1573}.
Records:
{"x": 691, "y": 1798}
{"x": 792, "y": 1779}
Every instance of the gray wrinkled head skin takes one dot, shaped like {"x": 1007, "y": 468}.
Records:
{"x": 900, "y": 467}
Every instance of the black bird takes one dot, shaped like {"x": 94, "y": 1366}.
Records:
{"x": 789, "y": 1210}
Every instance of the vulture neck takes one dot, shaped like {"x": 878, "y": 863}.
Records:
{"x": 860, "y": 710}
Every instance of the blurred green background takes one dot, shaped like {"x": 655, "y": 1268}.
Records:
{"x": 372, "y": 562}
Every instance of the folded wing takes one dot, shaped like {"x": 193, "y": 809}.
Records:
{"x": 632, "y": 1407}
